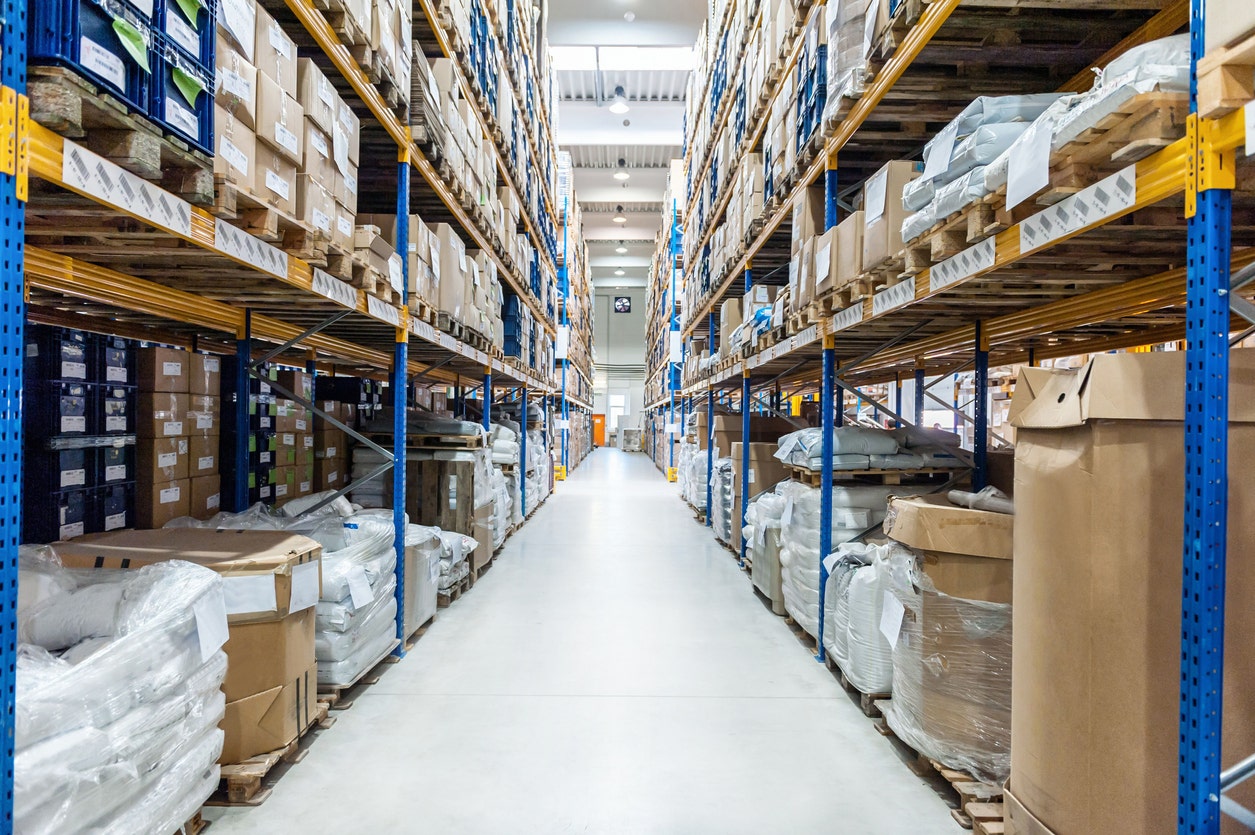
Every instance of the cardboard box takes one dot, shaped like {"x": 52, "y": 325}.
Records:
{"x": 346, "y": 137}
{"x": 966, "y": 553}
{"x": 285, "y": 483}
{"x": 157, "y": 502}
{"x": 316, "y": 161}
{"x": 205, "y": 376}
{"x": 163, "y": 369}
{"x": 271, "y": 583}
{"x": 236, "y": 148}
{"x": 453, "y": 272}
{"x": 280, "y": 120}
{"x": 203, "y": 416}
{"x": 766, "y": 471}
{"x": 161, "y": 415}
{"x": 296, "y": 381}
{"x": 825, "y": 261}
{"x": 235, "y": 84}
{"x": 763, "y": 429}
{"x": 329, "y": 474}
{"x": 806, "y": 274}
{"x": 1099, "y": 495}
{"x": 316, "y": 96}
{"x": 483, "y": 536}
{"x": 238, "y": 21}
{"x": 729, "y": 321}
{"x": 206, "y": 496}
{"x": 331, "y": 443}
{"x": 274, "y": 54}
{"x": 274, "y": 179}
{"x": 342, "y": 231}
{"x": 315, "y": 205}
{"x": 161, "y": 459}
{"x": 883, "y": 212}
{"x": 1227, "y": 21}
{"x": 202, "y": 456}
{"x": 849, "y": 249}
{"x": 808, "y": 216}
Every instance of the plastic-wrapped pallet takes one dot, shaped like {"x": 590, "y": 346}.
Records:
{"x": 367, "y": 493}
{"x": 853, "y": 606}
{"x": 951, "y": 674}
{"x": 502, "y": 512}
{"x": 854, "y": 510}
{"x": 455, "y": 549}
{"x": 119, "y": 696}
{"x": 762, "y": 533}
{"x": 849, "y": 45}
{"x": 505, "y": 445}
{"x": 683, "y": 462}
{"x": 697, "y": 478}
{"x": 721, "y": 499}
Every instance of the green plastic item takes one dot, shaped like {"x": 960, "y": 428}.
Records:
{"x": 191, "y": 10}
{"x": 189, "y": 85}
{"x": 132, "y": 41}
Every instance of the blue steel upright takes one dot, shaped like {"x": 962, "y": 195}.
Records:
{"x": 243, "y": 357}
{"x": 826, "y": 409}
{"x": 523, "y": 452}
{"x": 980, "y": 415}
{"x": 1206, "y": 489}
{"x": 710, "y": 449}
{"x": 487, "y": 421}
{"x": 400, "y": 401}
{"x": 746, "y": 402}
{"x": 12, "y": 351}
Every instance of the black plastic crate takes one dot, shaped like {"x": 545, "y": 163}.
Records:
{"x": 47, "y": 471}
{"x": 57, "y": 409}
{"x": 113, "y": 360}
{"x": 92, "y": 38}
{"x": 112, "y": 507}
{"x": 114, "y": 410}
{"x": 55, "y": 354}
{"x": 56, "y": 516}
{"x": 115, "y": 464}
{"x": 261, "y": 485}
{"x": 194, "y": 36}
{"x": 262, "y": 449}
{"x": 181, "y": 95}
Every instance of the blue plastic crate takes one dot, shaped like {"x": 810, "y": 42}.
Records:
{"x": 194, "y": 36}
{"x": 182, "y": 99}
{"x": 112, "y": 507}
{"x": 91, "y": 37}
{"x": 53, "y": 517}
{"x": 57, "y": 354}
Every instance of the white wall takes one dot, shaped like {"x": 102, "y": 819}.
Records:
{"x": 620, "y": 340}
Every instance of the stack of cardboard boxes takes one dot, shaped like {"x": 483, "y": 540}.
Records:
{"x": 283, "y": 136}
{"x": 331, "y": 445}
{"x": 176, "y": 426}
{"x": 294, "y": 438}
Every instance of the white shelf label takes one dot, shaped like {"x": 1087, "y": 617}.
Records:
{"x": 896, "y": 296}
{"x": 169, "y": 495}
{"x": 1108, "y": 197}
{"x": 206, "y": 463}
{"x": 72, "y": 530}
{"x": 847, "y": 318}
{"x": 115, "y": 374}
{"x": 100, "y": 179}
{"x": 383, "y": 311}
{"x": 73, "y": 478}
{"x": 74, "y": 370}
{"x": 74, "y": 424}
{"x": 242, "y": 246}
{"x": 115, "y": 521}
{"x": 967, "y": 263}
{"x": 332, "y": 288}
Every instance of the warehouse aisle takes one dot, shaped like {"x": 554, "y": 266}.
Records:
{"x": 612, "y": 673}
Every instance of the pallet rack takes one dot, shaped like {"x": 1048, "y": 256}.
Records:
{"x": 1021, "y": 304}
{"x": 173, "y": 273}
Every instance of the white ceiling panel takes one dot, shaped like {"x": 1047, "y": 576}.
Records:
{"x": 636, "y": 156}
{"x": 598, "y": 185}
{"x": 644, "y": 124}
{"x": 656, "y": 22}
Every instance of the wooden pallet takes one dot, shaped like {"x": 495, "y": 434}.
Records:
{"x": 987, "y": 817}
{"x": 970, "y": 225}
{"x": 802, "y": 635}
{"x": 68, "y": 104}
{"x": 421, "y": 310}
{"x": 419, "y": 632}
{"x": 195, "y": 825}
{"x": 968, "y": 789}
{"x": 478, "y": 573}
{"x": 876, "y": 476}
{"x": 1226, "y": 78}
{"x": 445, "y": 599}
{"x": 866, "y": 701}
{"x": 379, "y": 74}
{"x": 243, "y": 784}
{"x": 338, "y": 696}
{"x": 446, "y": 323}
{"x": 261, "y": 220}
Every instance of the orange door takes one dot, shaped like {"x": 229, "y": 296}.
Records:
{"x": 599, "y": 430}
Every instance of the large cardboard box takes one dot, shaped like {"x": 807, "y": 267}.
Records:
{"x": 483, "y": 536}
{"x": 274, "y": 178}
{"x": 163, "y": 369}
{"x": 849, "y": 249}
{"x": 1227, "y": 21}
{"x": 206, "y": 496}
{"x": 236, "y": 150}
{"x": 316, "y": 95}
{"x": 451, "y": 291}
{"x": 161, "y": 414}
{"x": 1099, "y": 494}
{"x": 280, "y": 120}
{"x": 235, "y": 87}
{"x": 157, "y": 502}
{"x": 765, "y": 472}
{"x": 763, "y": 429}
{"x": 271, "y": 583}
{"x": 824, "y": 261}
{"x": 808, "y": 216}
{"x": 274, "y": 53}
{"x": 205, "y": 376}
{"x": 161, "y": 459}
{"x": 883, "y": 212}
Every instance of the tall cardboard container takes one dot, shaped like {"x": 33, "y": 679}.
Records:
{"x": 1099, "y": 495}
{"x": 765, "y": 472}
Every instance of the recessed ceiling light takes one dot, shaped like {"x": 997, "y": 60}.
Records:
{"x": 621, "y": 173}
{"x": 619, "y": 104}
{"x": 619, "y": 217}
{"x": 619, "y": 271}
{"x": 629, "y": 16}
{"x": 621, "y": 248}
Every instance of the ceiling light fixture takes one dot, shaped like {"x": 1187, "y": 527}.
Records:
{"x": 619, "y": 271}
{"x": 619, "y": 217}
{"x": 621, "y": 248}
{"x": 619, "y": 104}
{"x": 629, "y": 16}
{"x": 621, "y": 173}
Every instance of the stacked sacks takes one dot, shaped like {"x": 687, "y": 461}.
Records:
{"x": 721, "y": 500}
{"x": 505, "y": 446}
{"x": 864, "y": 448}
{"x": 853, "y": 607}
{"x": 502, "y": 512}
{"x": 538, "y": 466}
{"x": 119, "y": 696}
{"x": 454, "y": 550}
{"x": 955, "y": 160}
{"x": 697, "y": 478}
{"x": 762, "y": 533}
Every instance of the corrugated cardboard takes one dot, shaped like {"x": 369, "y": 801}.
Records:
{"x": 202, "y": 455}
{"x": 1227, "y": 21}
{"x": 849, "y": 249}
{"x": 274, "y": 54}
{"x": 280, "y": 120}
{"x": 235, "y": 87}
{"x": 966, "y": 553}
{"x": 729, "y": 320}
{"x": 205, "y": 374}
{"x": 161, "y": 459}
{"x": 274, "y": 178}
{"x": 765, "y": 472}
{"x": 883, "y": 212}
{"x": 163, "y": 369}
{"x": 1099, "y": 493}
{"x": 316, "y": 95}
{"x": 236, "y": 555}
{"x": 808, "y": 216}
{"x": 157, "y": 502}
{"x": 483, "y": 536}
{"x": 271, "y": 719}
{"x": 206, "y": 496}
{"x": 236, "y": 149}
{"x": 161, "y": 415}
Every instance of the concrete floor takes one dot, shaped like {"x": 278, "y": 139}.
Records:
{"x": 612, "y": 673}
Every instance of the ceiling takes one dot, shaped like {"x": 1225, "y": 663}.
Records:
{"x": 646, "y": 138}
